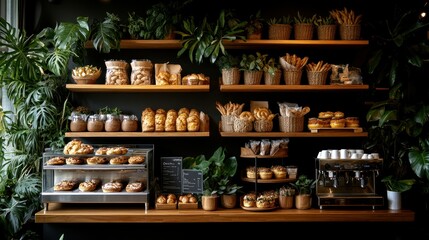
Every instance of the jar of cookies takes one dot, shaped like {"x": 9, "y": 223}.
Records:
{"x": 141, "y": 72}
{"x": 95, "y": 123}
{"x": 113, "y": 123}
{"x": 129, "y": 123}
{"x": 78, "y": 123}
{"x": 116, "y": 72}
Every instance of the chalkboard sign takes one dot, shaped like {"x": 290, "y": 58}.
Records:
{"x": 192, "y": 181}
{"x": 171, "y": 174}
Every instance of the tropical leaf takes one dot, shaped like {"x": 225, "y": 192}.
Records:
{"x": 107, "y": 34}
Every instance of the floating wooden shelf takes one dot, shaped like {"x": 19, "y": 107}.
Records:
{"x": 331, "y": 130}
{"x": 293, "y": 134}
{"x": 291, "y": 88}
{"x": 137, "y": 134}
{"x": 136, "y": 88}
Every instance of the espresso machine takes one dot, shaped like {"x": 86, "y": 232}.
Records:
{"x": 348, "y": 182}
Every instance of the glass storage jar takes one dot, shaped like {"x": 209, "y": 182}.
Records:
{"x": 113, "y": 123}
{"x": 95, "y": 123}
{"x": 141, "y": 72}
{"x": 78, "y": 123}
{"x": 116, "y": 72}
{"x": 129, "y": 123}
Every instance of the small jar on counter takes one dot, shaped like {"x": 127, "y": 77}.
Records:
{"x": 113, "y": 123}
{"x": 78, "y": 123}
{"x": 129, "y": 123}
{"x": 116, "y": 72}
{"x": 95, "y": 123}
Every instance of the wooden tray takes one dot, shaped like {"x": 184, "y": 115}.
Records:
{"x": 349, "y": 129}
{"x": 248, "y": 153}
{"x": 165, "y": 206}
{"x": 188, "y": 205}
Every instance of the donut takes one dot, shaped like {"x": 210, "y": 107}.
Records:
{"x": 117, "y": 151}
{"x": 338, "y": 114}
{"x": 352, "y": 122}
{"x": 134, "y": 187}
{"x": 96, "y": 160}
{"x": 325, "y": 115}
{"x": 65, "y": 185}
{"x": 87, "y": 186}
{"x": 56, "y": 161}
{"x": 112, "y": 187}
{"x": 101, "y": 151}
{"x": 119, "y": 160}
{"x": 74, "y": 161}
{"x": 138, "y": 159}
{"x": 338, "y": 123}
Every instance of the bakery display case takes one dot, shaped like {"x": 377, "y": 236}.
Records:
{"x": 107, "y": 174}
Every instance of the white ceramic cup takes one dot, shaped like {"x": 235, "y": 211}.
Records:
{"x": 335, "y": 154}
{"x": 344, "y": 154}
{"x": 375, "y": 155}
{"x": 354, "y": 156}
{"x": 364, "y": 156}
{"x": 325, "y": 154}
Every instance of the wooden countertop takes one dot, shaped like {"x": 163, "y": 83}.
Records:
{"x": 78, "y": 213}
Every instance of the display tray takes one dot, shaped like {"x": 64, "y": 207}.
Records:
{"x": 345, "y": 129}
{"x": 256, "y": 209}
{"x": 248, "y": 153}
{"x": 187, "y": 205}
{"x": 95, "y": 166}
{"x": 165, "y": 206}
{"x": 272, "y": 180}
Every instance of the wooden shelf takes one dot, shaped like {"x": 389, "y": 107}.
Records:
{"x": 136, "y": 88}
{"x": 137, "y": 134}
{"x": 294, "y": 134}
{"x": 129, "y": 213}
{"x": 273, "y": 180}
{"x": 291, "y": 88}
{"x": 238, "y": 44}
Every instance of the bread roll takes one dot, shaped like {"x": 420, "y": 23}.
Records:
{"x": 193, "y": 123}
{"x": 170, "y": 121}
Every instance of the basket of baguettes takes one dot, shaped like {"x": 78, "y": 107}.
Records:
{"x": 292, "y": 68}
{"x": 317, "y": 73}
{"x": 291, "y": 117}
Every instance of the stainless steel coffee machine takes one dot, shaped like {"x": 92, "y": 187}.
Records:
{"x": 348, "y": 182}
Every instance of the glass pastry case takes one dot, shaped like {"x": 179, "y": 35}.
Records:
{"x": 103, "y": 174}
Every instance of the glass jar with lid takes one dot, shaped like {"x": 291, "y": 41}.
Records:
{"x": 129, "y": 123}
{"x": 116, "y": 72}
{"x": 141, "y": 72}
{"x": 95, "y": 123}
{"x": 78, "y": 123}
{"x": 113, "y": 123}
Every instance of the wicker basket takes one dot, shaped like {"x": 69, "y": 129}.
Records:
{"x": 350, "y": 32}
{"x": 317, "y": 77}
{"x": 326, "y": 32}
{"x": 279, "y": 31}
{"x": 292, "y": 77}
{"x": 253, "y": 77}
{"x": 263, "y": 125}
{"x": 303, "y": 31}
{"x": 291, "y": 124}
{"x": 230, "y": 76}
{"x": 227, "y": 123}
{"x": 242, "y": 125}
{"x": 272, "y": 79}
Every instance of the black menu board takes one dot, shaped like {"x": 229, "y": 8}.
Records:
{"x": 192, "y": 181}
{"x": 171, "y": 174}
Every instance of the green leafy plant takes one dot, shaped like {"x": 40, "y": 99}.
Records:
{"x": 218, "y": 171}
{"x": 304, "y": 185}
{"x": 205, "y": 41}
{"x": 396, "y": 185}
{"x": 33, "y": 71}
{"x": 227, "y": 61}
{"x": 287, "y": 191}
{"x": 135, "y": 26}
{"x": 109, "y": 110}
{"x": 253, "y": 62}
{"x": 300, "y": 19}
{"x": 106, "y": 35}
{"x": 255, "y": 24}
{"x": 271, "y": 66}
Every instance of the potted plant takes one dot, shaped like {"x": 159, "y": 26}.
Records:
{"x": 205, "y": 41}
{"x": 229, "y": 68}
{"x": 216, "y": 170}
{"x": 228, "y": 192}
{"x": 280, "y": 28}
{"x": 135, "y": 26}
{"x": 395, "y": 187}
{"x": 326, "y": 27}
{"x": 33, "y": 74}
{"x": 254, "y": 26}
{"x": 286, "y": 196}
{"x": 304, "y": 188}
{"x": 272, "y": 72}
{"x": 252, "y": 66}
{"x": 304, "y": 26}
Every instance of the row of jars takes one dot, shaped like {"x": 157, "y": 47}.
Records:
{"x": 117, "y": 74}
{"x": 100, "y": 123}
